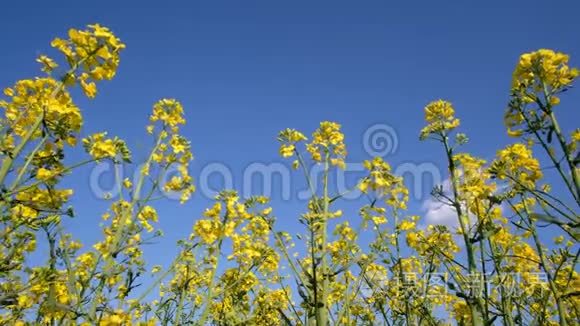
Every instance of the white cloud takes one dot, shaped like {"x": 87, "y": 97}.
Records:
{"x": 437, "y": 213}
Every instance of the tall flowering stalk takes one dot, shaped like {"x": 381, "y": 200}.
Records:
{"x": 538, "y": 80}
{"x": 440, "y": 116}
{"x": 327, "y": 147}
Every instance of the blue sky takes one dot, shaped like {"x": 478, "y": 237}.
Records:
{"x": 246, "y": 69}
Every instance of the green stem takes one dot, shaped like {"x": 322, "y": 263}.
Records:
{"x": 400, "y": 269}
{"x": 9, "y": 160}
{"x": 128, "y": 214}
{"x": 209, "y": 296}
{"x": 322, "y": 311}
{"x": 569, "y": 159}
{"x": 506, "y": 309}
{"x": 37, "y": 182}
{"x": 544, "y": 266}
{"x": 546, "y": 148}
{"x": 180, "y": 306}
{"x": 156, "y": 282}
{"x": 27, "y": 163}
{"x": 464, "y": 226}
